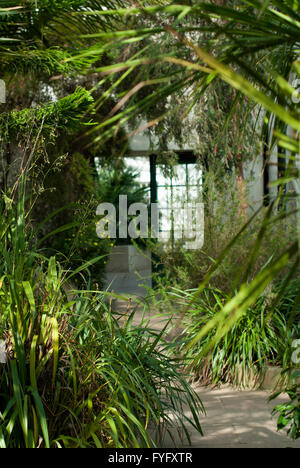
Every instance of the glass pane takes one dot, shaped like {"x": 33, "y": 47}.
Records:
{"x": 164, "y": 197}
{"x": 194, "y": 194}
{"x": 179, "y": 175}
{"x": 174, "y": 194}
{"x": 178, "y": 222}
{"x": 179, "y": 195}
{"x": 194, "y": 174}
{"x": 141, "y": 166}
{"x": 165, "y": 223}
{"x": 160, "y": 178}
{"x": 164, "y": 236}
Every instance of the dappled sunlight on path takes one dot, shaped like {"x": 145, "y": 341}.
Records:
{"x": 237, "y": 419}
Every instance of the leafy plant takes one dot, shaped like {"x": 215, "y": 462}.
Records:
{"x": 241, "y": 357}
{"x": 289, "y": 412}
{"x": 76, "y": 374}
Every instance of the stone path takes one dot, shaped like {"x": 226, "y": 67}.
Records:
{"x": 239, "y": 419}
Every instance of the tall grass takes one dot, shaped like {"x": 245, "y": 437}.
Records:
{"x": 76, "y": 374}
{"x": 259, "y": 338}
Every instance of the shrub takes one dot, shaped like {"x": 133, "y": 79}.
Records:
{"x": 259, "y": 338}
{"x": 289, "y": 412}
{"x": 76, "y": 375}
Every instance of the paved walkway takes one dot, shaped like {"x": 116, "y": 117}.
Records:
{"x": 239, "y": 419}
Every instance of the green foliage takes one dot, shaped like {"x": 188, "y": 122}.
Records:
{"x": 168, "y": 57}
{"x": 86, "y": 190}
{"x": 38, "y": 37}
{"x": 66, "y": 114}
{"x": 50, "y": 62}
{"x": 81, "y": 244}
{"x": 115, "y": 180}
{"x": 77, "y": 375}
{"x": 289, "y": 412}
{"x": 68, "y": 193}
{"x": 259, "y": 338}
{"x": 226, "y": 212}
{"x": 252, "y": 47}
